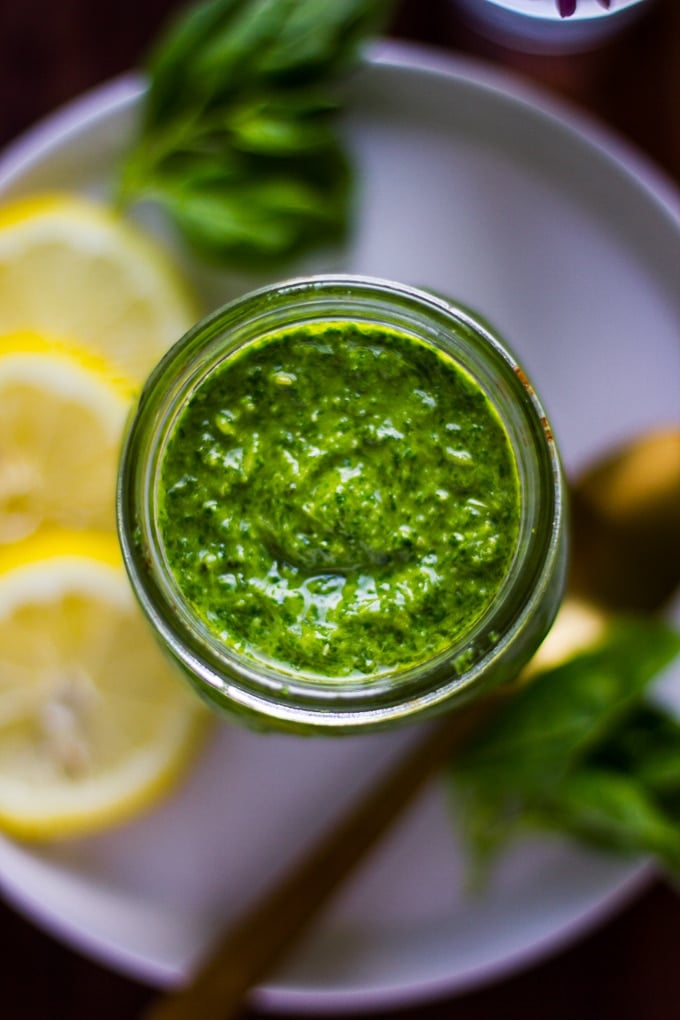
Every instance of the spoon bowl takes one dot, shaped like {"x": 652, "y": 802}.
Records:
{"x": 626, "y": 525}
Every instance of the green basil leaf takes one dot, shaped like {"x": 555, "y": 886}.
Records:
{"x": 230, "y": 59}
{"x": 262, "y": 133}
{"x": 299, "y": 101}
{"x": 560, "y": 716}
{"x": 250, "y": 84}
{"x": 318, "y": 35}
{"x": 646, "y": 745}
{"x": 585, "y": 716}
{"x": 262, "y": 220}
{"x": 172, "y": 61}
{"x": 611, "y": 810}
{"x": 215, "y": 222}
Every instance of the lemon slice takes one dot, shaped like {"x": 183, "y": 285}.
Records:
{"x": 94, "y": 723}
{"x": 62, "y": 414}
{"x": 72, "y": 268}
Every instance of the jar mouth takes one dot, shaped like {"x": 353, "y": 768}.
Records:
{"x": 291, "y": 697}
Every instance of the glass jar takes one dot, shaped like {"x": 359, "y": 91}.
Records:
{"x": 494, "y": 647}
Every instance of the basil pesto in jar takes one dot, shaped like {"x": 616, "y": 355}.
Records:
{"x": 340, "y": 506}
{"x": 339, "y": 499}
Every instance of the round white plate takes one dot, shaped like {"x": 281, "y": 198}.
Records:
{"x": 473, "y": 184}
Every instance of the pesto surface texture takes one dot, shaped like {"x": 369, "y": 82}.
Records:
{"x": 338, "y": 499}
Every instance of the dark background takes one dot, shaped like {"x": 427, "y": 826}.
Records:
{"x": 51, "y": 50}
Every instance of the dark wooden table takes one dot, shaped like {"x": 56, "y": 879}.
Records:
{"x": 50, "y": 50}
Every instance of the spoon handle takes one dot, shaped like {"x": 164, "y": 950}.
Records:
{"x": 260, "y": 939}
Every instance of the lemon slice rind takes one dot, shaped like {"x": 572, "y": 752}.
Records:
{"x": 73, "y": 268}
{"x": 82, "y": 748}
{"x": 62, "y": 415}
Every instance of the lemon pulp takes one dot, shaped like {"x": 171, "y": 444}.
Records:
{"x": 72, "y": 268}
{"x": 93, "y": 721}
{"x": 62, "y": 415}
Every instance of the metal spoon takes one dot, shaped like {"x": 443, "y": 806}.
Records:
{"x": 626, "y": 525}
{"x": 626, "y": 555}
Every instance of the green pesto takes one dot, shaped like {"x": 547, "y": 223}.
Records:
{"x": 339, "y": 499}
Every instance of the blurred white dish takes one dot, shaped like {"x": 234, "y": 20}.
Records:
{"x": 538, "y": 26}
{"x": 477, "y": 185}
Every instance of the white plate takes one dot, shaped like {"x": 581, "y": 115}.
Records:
{"x": 476, "y": 185}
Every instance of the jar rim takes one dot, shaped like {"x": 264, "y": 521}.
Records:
{"x": 287, "y": 698}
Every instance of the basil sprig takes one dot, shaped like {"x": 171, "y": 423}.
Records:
{"x": 238, "y": 141}
{"x": 583, "y": 751}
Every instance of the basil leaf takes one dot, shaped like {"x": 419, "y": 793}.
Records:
{"x": 562, "y": 714}
{"x": 647, "y": 745}
{"x": 276, "y": 215}
{"x": 221, "y": 222}
{"x": 232, "y": 57}
{"x": 261, "y": 132}
{"x": 611, "y": 810}
{"x": 584, "y": 719}
{"x": 170, "y": 67}
{"x": 237, "y": 139}
{"x": 296, "y": 101}
{"x": 322, "y": 38}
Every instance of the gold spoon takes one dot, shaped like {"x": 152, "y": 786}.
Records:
{"x": 626, "y": 525}
{"x": 626, "y": 555}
